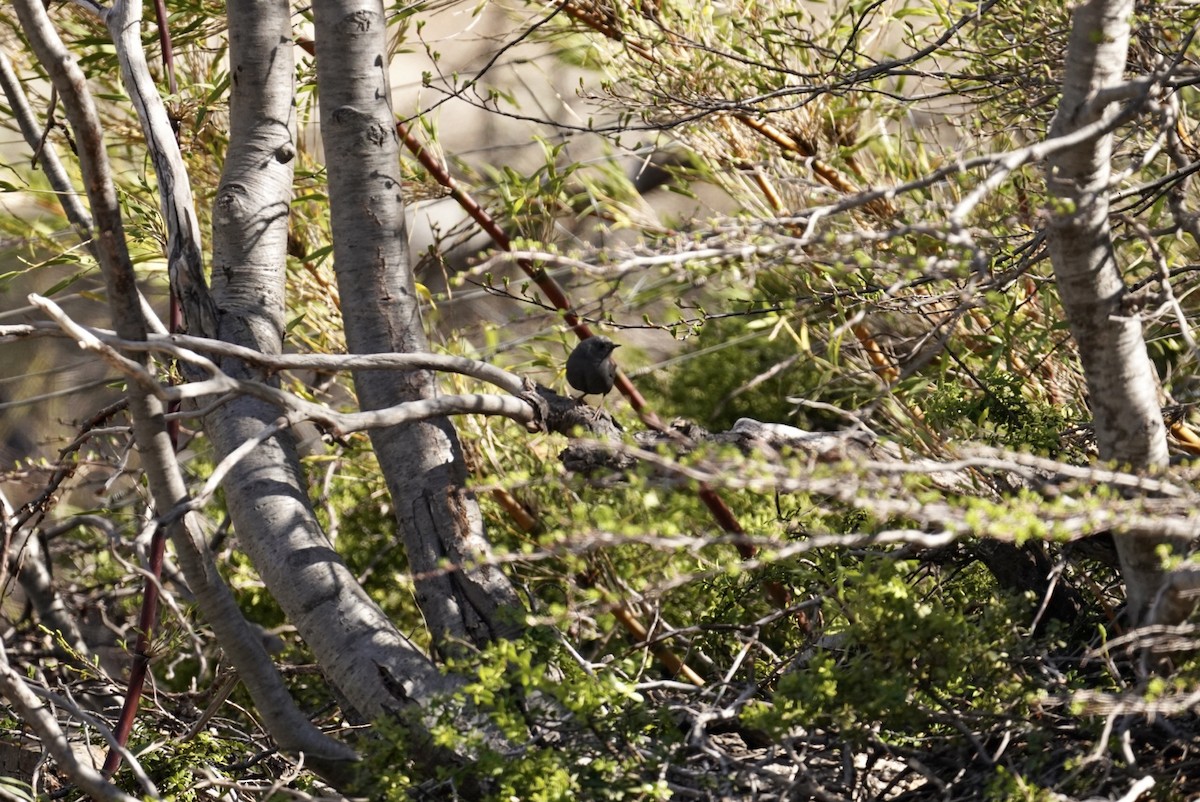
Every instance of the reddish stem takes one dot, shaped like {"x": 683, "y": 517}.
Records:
{"x": 164, "y": 41}
{"x": 554, "y": 293}
{"x": 148, "y": 616}
{"x": 141, "y": 652}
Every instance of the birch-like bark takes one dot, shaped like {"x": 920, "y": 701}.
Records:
{"x": 243, "y": 646}
{"x": 1122, "y": 385}
{"x": 375, "y": 667}
{"x": 463, "y": 597}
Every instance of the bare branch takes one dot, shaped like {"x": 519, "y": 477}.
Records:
{"x": 184, "y": 259}
{"x": 67, "y": 194}
{"x": 37, "y": 715}
{"x": 288, "y": 724}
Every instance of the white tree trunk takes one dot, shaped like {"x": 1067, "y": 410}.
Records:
{"x": 375, "y": 667}
{"x": 464, "y": 598}
{"x": 155, "y": 448}
{"x": 1122, "y": 385}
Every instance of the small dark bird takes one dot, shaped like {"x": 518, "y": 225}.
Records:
{"x": 590, "y": 367}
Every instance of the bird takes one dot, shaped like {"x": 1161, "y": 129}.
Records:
{"x": 590, "y": 367}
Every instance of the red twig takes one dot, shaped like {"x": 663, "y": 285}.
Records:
{"x": 554, "y": 293}
{"x": 164, "y": 41}
{"x": 141, "y": 651}
{"x": 148, "y": 616}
